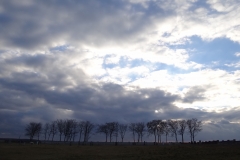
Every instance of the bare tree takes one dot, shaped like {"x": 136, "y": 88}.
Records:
{"x": 116, "y": 130}
{"x": 74, "y": 130}
{"x": 166, "y": 130}
{"x": 39, "y": 131}
{"x": 197, "y": 127}
{"x": 80, "y": 130}
{"x": 160, "y": 130}
{"x": 111, "y": 128}
{"x": 190, "y": 128}
{"x": 67, "y": 132}
{"x": 182, "y": 127}
{"x": 140, "y": 129}
{"x": 132, "y": 128}
{"x": 87, "y": 131}
{"x": 33, "y": 129}
{"x": 173, "y": 125}
{"x": 49, "y": 133}
{"x": 152, "y": 128}
{"x": 194, "y": 127}
{"x": 103, "y": 128}
{"x": 46, "y": 130}
{"x": 60, "y": 126}
{"x": 53, "y": 129}
{"x": 122, "y": 130}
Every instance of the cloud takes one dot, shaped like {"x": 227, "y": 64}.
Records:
{"x": 235, "y": 65}
{"x": 53, "y": 23}
{"x": 237, "y": 54}
{"x": 223, "y": 6}
{"x": 116, "y": 60}
{"x": 195, "y": 93}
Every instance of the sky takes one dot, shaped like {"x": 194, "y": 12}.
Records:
{"x": 120, "y": 60}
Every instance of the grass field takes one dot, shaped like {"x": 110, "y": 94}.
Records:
{"x": 66, "y": 152}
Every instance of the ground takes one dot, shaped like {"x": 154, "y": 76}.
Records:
{"x": 11, "y": 151}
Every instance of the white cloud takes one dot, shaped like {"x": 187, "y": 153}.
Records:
{"x": 223, "y": 6}
{"x": 235, "y": 65}
{"x": 112, "y": 59}
{"x": 125, "y": 75}
{"x": 237, "y": 54}
{"x": 221, "y": 87}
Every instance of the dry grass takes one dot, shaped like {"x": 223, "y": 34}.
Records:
{"x": 66, "y": 152}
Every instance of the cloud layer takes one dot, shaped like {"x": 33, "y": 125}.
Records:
{"x": 126, "y": 61}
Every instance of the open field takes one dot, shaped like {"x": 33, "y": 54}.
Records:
{"x": 13, "y": 151}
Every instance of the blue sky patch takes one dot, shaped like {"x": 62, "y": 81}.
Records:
{"x": 215, "y": 53}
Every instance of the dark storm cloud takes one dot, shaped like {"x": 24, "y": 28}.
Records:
{"x": 112, "y": 98}
{"x": 43, "y": 82}
{"x": 27, "y": 96}
{"x": 35, "y": 61}
{"x": 195, "y": 93}
{"x": 35, "y": 25}
{"x": 226, "y": 115}
{"x": 27, "y": 101}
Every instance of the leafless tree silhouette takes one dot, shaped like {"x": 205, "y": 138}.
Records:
{"x": 152, "y": 128}
{"x": 87, "y": 130}
{"x": 132, "y": 129}
{"x": 182, "y": 127}
{"x": 194, "y": 127}
{"x": 70, "y": 128}
{"x": 140, "y": 130}
{"x": 103, "y": 128}
{"x": 116, "y": 130}
{"x": 112, "y": 128}
{"x": 173, "y": 125}
{"x": 122, "y": 130}
{"x": 60, "y": 126}
{"x": 80, "y": 130}
{"x": 166, "y": 130}
{"x": 53, "y": 129}
{"x": 33, "y": 129}
{"x": 46, "y": 130}
{"x": 160, "y": 130}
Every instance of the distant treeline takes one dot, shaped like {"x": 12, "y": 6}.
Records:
{"x": 69, "y": 129}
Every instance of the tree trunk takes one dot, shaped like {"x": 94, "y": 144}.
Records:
{"x": 176, "y": 137}
{"x": 52, "y": 137}
{"x": 74, "y": 137}
{"x": 80, "y": 135}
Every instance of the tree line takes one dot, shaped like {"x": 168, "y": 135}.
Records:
{"x": 69, "y": 129}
